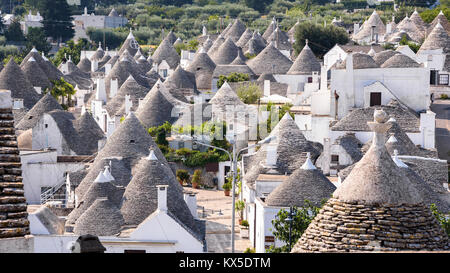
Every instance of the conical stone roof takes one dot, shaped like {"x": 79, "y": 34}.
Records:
{"x": 95, "y": 191}
{"x": 417, "y": 20}
{"x": 377, "y": 205}
{"x": 400, "y": 61}
{"x": 291, "y": 144}
{"x": 272, "y": 26}
{"x": 245, "y": 37}
{"x": 13, "y": 79}
{"x": 141, "y": 195}
{"x": 130, "y": 44}
{"x": 226, "y": 53}
{"x": 306, "y": 183}
{"x": 305, "y": 63}
{"x": 438, "y": 38}
{"x": 156, "y": 108}
{"x": 167, "y": 52}
{"x": 281, "y": 39}
{"x": 182, "y": 79}
{"x": 102, "y": 218}
{"x": 383, "y": 56}
{"x": 215, "y": 46}
{"x": 236, "y": 30}
{"x": 35, "y": 75}
{"x": 254, "y": 46}
{"x": 89, "y": 133}
{"x": 270, "y": 60}
{"x": 129, "y": 87}
{"x": 203, "y": 68}
{"x": 366, "y": 28}
{"x": 84, "y": 65}
{"x": 129, "y": 142}
{"x": 224, "y": 97}
{"x": 441, "y": 18}
{"x": 171, "y": 37}
{"x": 207, "y": 44}
{"x": 240, "y": 58}
{"x": 98, "y": 54}
{"x": 411, "y": 29}
{"x": 46, "y": 104}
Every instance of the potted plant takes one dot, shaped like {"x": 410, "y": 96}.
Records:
{"x": 183, "y": 176}
{"x": 239, "y": 207}
{"x": 196, "y": 179}
{"x": 244, "y": 229}
{"x": 226, "y": 188}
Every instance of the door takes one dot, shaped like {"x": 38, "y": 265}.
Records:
{"x": 375, "y": 98}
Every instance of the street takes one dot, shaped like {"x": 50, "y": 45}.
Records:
{"x": 442, "y": 110}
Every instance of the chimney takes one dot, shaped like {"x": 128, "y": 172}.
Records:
{"x": 5, "y": 100}
{"x": 266, "y": 88}
{"x": 191, "y": 200}
{"x": 271, "y": 157}
{"x": 327, "y": 156}
{"x": 140, "y": 101}
{"x": 38, "y": 89}
{"x": 162, "y": 197}
{"x": 94, "y": 65}
{"x": 17, "y": 103}
{"x": 85, "y": 11}
{"x": 107, "y": 69}
{"x": 113, "y": 87}
{"x": 128, "y": 104}
{"x": 101, "y": 90}
{"x": 355, "y": 28}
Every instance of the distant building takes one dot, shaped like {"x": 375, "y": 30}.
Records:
{"x": 31, "y": 20}
{"x": 84, "y": 21}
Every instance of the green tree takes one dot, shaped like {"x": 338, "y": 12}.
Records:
{"x": 233, "y": 77}
{"x": 414, "y": 47}
{"x": 183, "y": 176}
{"x": 249, "y": 93}
{"x": 73, "y": 50}
{"x": 301, "y": 220}
{"x": 429, "y": 14}
{"x": 321, "y": 39}
{"x": 14, "y": 32}
{"x": 62, "y": 89}
{"x": 443, "y": 220}
{"x": 259, "y": 5}
{"x": 36, "y": 37}
{"x": 272, "y": 110}
{"x": 57, "y": 21}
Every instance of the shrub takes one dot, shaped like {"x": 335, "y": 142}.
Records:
{"x": 443, "y": 220}
{"x": 249, "y": 93}
{"x": 227, "y": 186}
{"x": 183, "y": 176}
{"x": 249, "y": 250}
{"x": 444, "y": 96}
{"x": 197, "y": 176}
{"x": 233, "y": 77}
{"x": 244, "y": 223}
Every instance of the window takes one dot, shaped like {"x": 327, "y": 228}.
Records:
{"x": 46, "y": 125}
{"x": 164, "y": 72}
{"x": 334, "y": 158}
{"x": 443, "y": 79}
{"x": 433, "y": 77}
{"x": 375, "y": 98}
{"x": 309, "y": 79}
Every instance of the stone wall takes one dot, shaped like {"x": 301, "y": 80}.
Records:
{"x": 13, "y": 205}
{"x": 358, "y": 227}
